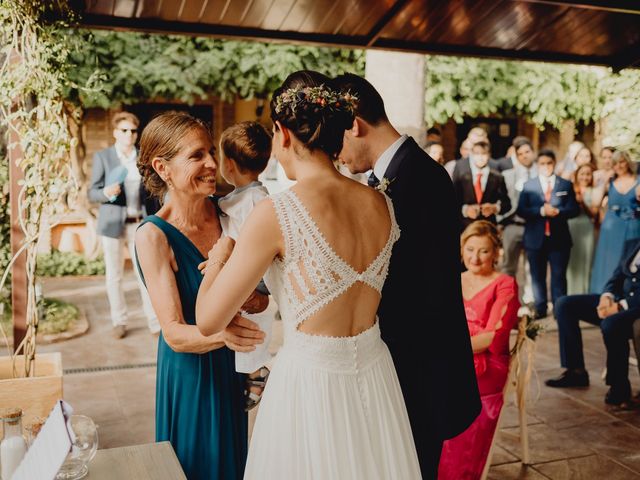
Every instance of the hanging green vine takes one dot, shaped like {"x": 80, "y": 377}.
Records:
{"x": 546, "y": 93}
{"x": 137, "y": 67}
{"x": 33, "y": 79}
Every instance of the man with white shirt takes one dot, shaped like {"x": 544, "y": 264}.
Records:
{"x": 547, "y": 203}
{"x": 481, "y": 191}
{"x": 524, "y": 169}
{"x": 117, "y": 185}
{"x": 421, "y": 313}
{"x": 614, "y": 311}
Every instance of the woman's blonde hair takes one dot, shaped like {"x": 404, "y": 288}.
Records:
{"x": 161, "y": 138}
{"x": 623, "y": 156}
{"x": 481, "y": 228}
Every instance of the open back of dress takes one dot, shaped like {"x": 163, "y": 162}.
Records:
{"x": 332, "y": 408}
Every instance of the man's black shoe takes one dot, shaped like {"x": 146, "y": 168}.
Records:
{"x": 570, "y": 378}
{"x": 539, "y": 315}
{"x": 617, "y": 396}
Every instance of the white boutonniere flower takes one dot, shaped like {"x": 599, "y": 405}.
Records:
{"x": 384, "y": 184}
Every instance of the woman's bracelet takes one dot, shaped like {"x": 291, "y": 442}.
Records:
{"x": 217, "y": 262}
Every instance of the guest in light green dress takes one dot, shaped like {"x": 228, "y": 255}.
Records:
{"x": 582, "y": 230}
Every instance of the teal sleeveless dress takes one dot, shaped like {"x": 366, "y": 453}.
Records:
{"x": 199, "y": 397}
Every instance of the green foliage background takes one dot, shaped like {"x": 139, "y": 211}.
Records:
{"x": 136, "y": 67}
{"x": 547, "y": 94}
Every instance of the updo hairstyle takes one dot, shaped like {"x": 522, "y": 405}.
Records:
{"x": 318, "y": 124}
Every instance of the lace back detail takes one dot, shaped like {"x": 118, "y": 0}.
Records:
{"x": 311, "y": 274}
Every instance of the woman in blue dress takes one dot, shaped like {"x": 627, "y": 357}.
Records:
{"x": 199, "y": 396}
{"x": 621, "y": 222}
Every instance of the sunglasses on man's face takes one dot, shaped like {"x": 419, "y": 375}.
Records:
{"x": 133, "y": 131}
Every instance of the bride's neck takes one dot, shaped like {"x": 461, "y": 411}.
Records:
{"x": 316, "y": 165}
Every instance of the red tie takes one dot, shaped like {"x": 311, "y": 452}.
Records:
{"x": 547, "y": 199}
{"x": 478, "y": 187}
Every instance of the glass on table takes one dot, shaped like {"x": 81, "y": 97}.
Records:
{"x": 76, "y": 465}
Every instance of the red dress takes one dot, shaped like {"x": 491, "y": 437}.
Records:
{"x": 464, "y": 456}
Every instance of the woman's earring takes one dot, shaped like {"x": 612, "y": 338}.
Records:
{"x": 169, "y": 184}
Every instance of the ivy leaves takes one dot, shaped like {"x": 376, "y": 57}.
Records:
{"x": 137, "y": 67}
{"x": 548, "y": 94}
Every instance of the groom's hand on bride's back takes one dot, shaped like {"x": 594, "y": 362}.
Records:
{"x": 242, "y": 335}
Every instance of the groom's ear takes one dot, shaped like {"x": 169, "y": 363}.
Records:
{"x": 356, "y": 129}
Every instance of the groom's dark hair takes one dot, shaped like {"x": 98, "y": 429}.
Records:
{"x": 369, "y": 105}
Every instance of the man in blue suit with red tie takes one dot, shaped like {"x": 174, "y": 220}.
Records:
{"x": 547, "y": 203}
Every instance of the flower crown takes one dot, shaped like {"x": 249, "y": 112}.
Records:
{"x": 321, "y": 96}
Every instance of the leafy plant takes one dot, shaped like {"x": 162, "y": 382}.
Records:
{"x": 60, "y": 264}
{"x": 33, "y": 77}
{"x": 136, "y": 67}
{"x": 58, "y": 316}
{"x": 547, "y": 94}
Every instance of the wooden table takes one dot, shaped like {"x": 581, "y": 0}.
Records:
{"x": 154, "y": 461}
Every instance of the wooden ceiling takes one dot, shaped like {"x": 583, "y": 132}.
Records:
{"x": 599, "y": 32}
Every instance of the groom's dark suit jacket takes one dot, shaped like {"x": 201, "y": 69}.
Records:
{"x": 421, "y": 314}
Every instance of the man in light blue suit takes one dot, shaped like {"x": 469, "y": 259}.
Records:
{"x": 547, "y": 203}
{"x": 117, "y": 186}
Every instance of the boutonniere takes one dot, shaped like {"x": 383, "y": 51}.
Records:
{"x": 383, "y": 186}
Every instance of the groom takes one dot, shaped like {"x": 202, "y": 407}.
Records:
{"x": 421, "y": 312}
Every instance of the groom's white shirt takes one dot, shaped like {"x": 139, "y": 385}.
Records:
{"x": 384, "y": 160}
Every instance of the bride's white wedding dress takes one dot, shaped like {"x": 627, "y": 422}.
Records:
{"x": 332, "y": 408}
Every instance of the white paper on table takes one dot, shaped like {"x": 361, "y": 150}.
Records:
{"x": 50, "y": 448}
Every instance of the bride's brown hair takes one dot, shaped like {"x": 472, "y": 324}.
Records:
{"x": 318, "y": 126}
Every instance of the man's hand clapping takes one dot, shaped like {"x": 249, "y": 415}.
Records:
{"x": 550, "y": 211}
{"x": 473, "y": 211}
{"x": 489, "y": 209}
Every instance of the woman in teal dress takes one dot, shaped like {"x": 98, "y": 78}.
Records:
{"x": 582, "y": 230}
{"x": 621, "y": 222}
{"x": 199, "y": 396}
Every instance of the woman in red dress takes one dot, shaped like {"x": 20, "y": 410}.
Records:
{"x": 491, "y": 304}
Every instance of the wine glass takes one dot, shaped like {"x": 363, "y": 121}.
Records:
{"x": 76, "y": 465}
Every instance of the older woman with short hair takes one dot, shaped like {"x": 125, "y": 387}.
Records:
{"x": 491, "y": 305}
{"x": 199, "y": 396}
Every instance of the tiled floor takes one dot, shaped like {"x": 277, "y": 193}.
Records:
{"x": 572, "y": 434}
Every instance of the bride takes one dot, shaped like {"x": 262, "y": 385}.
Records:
{"x": 332, "y": 408}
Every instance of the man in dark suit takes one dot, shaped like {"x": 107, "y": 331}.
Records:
{"x": 481, "y": 191}
{"x": 614, "y": 311}
{"x": 123, "y": 203}
{"x": 547, "y": 203}
{"x": 422, "y": 320}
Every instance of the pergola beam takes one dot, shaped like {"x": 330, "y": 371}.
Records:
{"x": 154, "y": 25}
{"x": 619, "y": 6}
